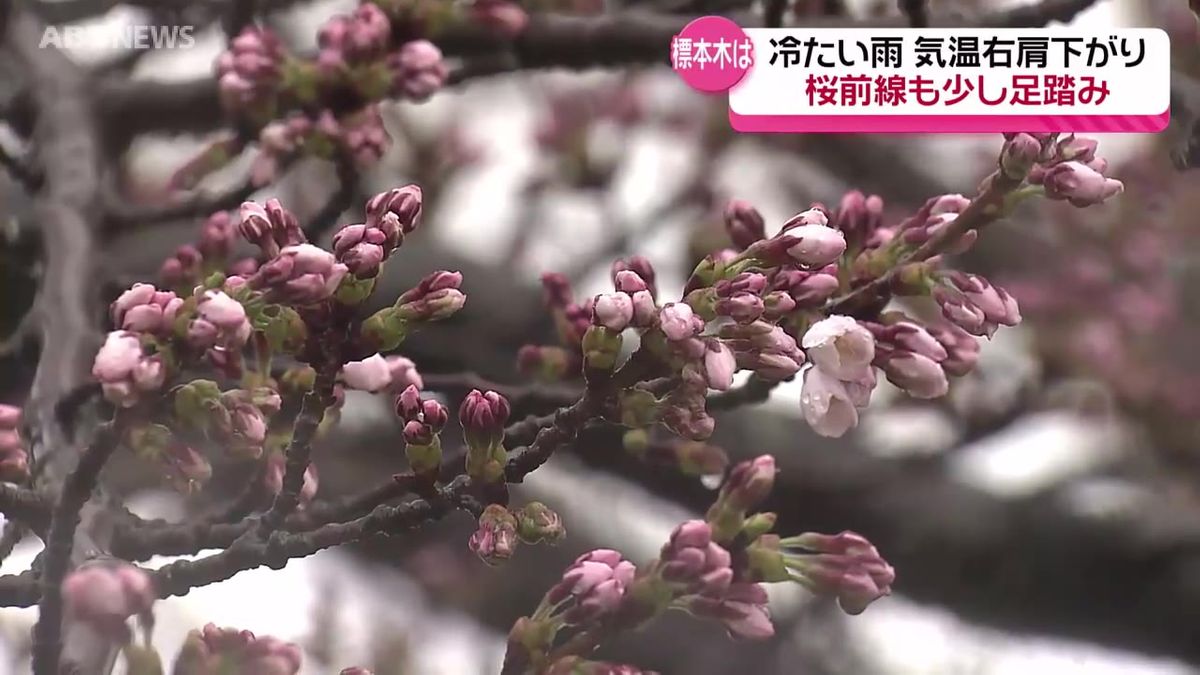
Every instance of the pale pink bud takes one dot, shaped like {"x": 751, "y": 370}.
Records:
{"x": 719, "y": 365}
{"x": 677, "y": 321}
{"x": 612, "y": 310}
{"x": 914, "y": 338}
{"x": 1079, "y": 184}
{"x": 371, "y": 374}
{"x": 221, "y": 310}
{"x": 817, "y": 245}
{"x": 749, "y": 483}
{"x": 744, "y": 224}
{"x": 918, "y": 375}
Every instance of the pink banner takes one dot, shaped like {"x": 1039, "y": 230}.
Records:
{"x": 949, "y": 124}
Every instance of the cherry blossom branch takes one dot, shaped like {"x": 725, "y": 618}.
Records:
{"x": 985, "y": 208}
{"x": 304, "y": 430}
{"x": 279, "y": 546}
{"x": 76, "y": 491}
{"x": 24, "y": 505}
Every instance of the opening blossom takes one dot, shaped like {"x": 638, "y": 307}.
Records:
{"x": 372, "y": 374}
{"x": 840, "y": 346}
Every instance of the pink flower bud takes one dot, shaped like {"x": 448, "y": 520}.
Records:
{"x": 613, "y": 311}
{"x": 742, "y": 307}
{"x": 918, "y": 375}
{"x": 221, "y": 310}
{"x": 743, "y": 610}
{"x": 1079, "y": 184}
{"x": 816, "y": 245}
{"x": 811, "y": 217}
{"x": 962, "y": 349}
{"x": 744, "y": 224}
{"x": 846, "y": 566}
{"x": 678, "y": 321}
{"x": 372, "y": 374}
{"x": 719, "y": 365}
{"x": 484, "y": 412}
{"x": 638, "y": 265}
{"x": 1019, "y": 154}
{"x": 749, "y": 483}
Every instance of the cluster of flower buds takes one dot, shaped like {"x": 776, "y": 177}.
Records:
{"x": 269, "y": 226}
{"x": 211, "y": 252}
{"x": 423, "y": 420}
{"x": 1066, "y": 167}
{"x": 105, "y": 595}
{"x": 391, "y": 215}
{"x": 145, "y": 309}
{"x": 184, "y": 467}
{"x": 591, "y": 589}
{"x": 357, "y": 38}
{"x": 972, "y": 303}
{"x": 495, "y": 540}
{"x": 483, "y": 416}
{"x": 125, "y": 371}
{"x": 437, "y": 297}
{"x": 14, "y": 459}
{"x": 276, "y": 467}
{"x": 571, "y": 320}
{"x": 250, "y": 72}
{"x": 764, "y": 348}
{"x": 237, "y": 418}
{"x": 300, "y": 275}
{"x": 841, "y": 379}
{"x": 911, "y": 358}
{"x": 631, "y": 305}
{"x": 216, "y": 650}
{"x": 845, "y": 566}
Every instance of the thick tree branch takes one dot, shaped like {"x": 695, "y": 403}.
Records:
{"x": 76, "y": 492}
